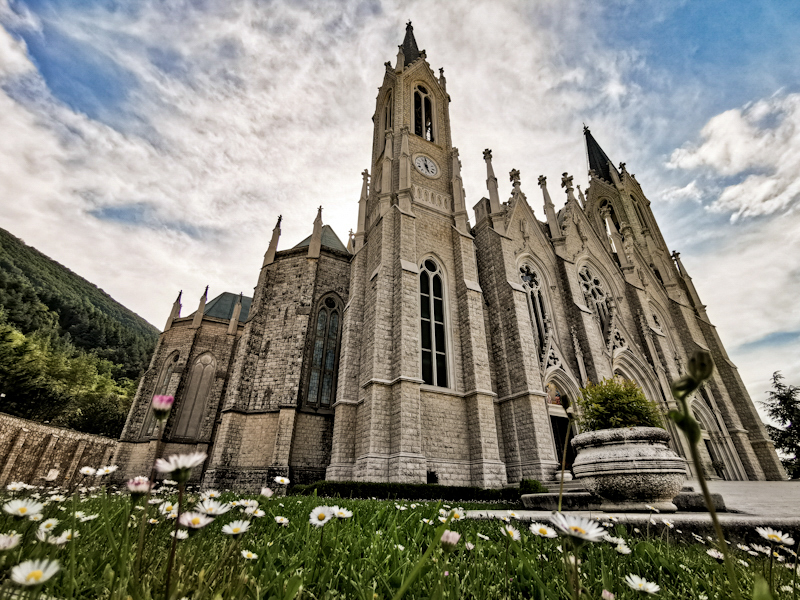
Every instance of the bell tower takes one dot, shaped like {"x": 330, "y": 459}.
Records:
{"x": 414, "y": 401}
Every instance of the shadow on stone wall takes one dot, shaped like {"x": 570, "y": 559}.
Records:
{"x": 29, "y": 451}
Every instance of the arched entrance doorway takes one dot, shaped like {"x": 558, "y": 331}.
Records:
{"x": 559, "y": 422}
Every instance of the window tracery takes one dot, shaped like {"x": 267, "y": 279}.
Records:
{"x": 423, "y": 113}
{"x": 432, "y": 329}
{"x": 388, "y": 111}
{"x": 324, "y": 355}
{"x": 532, "y": 282}
{"x": 596, "y": 295}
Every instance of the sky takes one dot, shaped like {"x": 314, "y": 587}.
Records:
{"x": 150, "y": 146}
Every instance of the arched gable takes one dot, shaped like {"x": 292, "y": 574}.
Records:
{"x": 632, "y": 367}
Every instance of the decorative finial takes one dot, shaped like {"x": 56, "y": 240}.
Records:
{"x": 622, "y": 167}
{"x": 542, "y": 181}
{"x": 585, "y": 128}
{"x": 514, "y": 177}
{"x": 280, "y": 218}
{"x": 179, "y": 296}
{"x": 566, "y": 182}
{"x": 408, "y": 25}
{"x": 441, "y": 71}
{"x": 206, "y": 292}
{"x": 365, "y": 174}
{"x": 487, "y": 154}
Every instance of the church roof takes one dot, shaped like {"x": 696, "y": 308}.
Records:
{"x": 598, "y": 160}
{"x": 222, "y": 306}
{"x": 329, "y": 240}
{"x": 410, "y": 50}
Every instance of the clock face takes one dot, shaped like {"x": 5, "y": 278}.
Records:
{"x": 426, "y": 166}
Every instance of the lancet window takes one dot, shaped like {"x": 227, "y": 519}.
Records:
{"x": 325, "y": 355}
{"x": 193, "y": 404}
{"x": 432, "y": 330}
{"x": 639, "y": 213}
{"x": 596, "y": 296}
{"x": 423, "y": 113}
{"x": 160, "y": 390}
{"x": 532, "y": 282}
{"x": 388, "y": 111}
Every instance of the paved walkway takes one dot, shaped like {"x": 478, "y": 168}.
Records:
{"x": 749, "y": 503}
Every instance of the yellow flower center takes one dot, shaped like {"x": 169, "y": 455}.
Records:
{"x": 773, "y": 537}
{"x": 321, "y": 516}
{"x": 577, "y": 529}
{"x": 34, "y": 575}
{"x": 456, "y": 516}
{"x": 237, "y": 529}
{"x": 48, "y": 525}
{"x": 542, "y": 531}
{"x": 22, "y": 510}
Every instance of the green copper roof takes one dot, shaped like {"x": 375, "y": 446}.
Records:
{"x": 222, "y": 306}
{"x": 329, "y": 240}
{"x": 410, "y": 50}
{"x": 598, "y": 160}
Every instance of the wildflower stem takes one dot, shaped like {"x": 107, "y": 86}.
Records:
{"x": 174, "y": 540}
{"x": 564, "y": 462}
{"x": 713, "y": 513}
{"x": 508, "y": 543}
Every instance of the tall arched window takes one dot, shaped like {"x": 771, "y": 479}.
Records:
{"x": 596, "y": 295}
{"x": 388, "y": 111}
{"x": 606, "y": 204}
{"x": 431, "y": 308}
{"x": 532, "y": 282}
{"x": 193, "y": 404}
{"x": 162, "y": 385}
{"x": 639, "y": 213}
{"x": 324, "y": 355}
{"x": 423, "y": 113}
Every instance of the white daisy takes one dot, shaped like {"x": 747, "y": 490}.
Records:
{"x": 167, "y": 507}
{"x": 180, "y": 466}
{"x": 762, "y": 549}
{"x": 57, "y": 498}
{"x": 209, "y": 495}
{"x": 34, "y": 572}
{"x": 106, "y": 470}
{"x": 23, "y": 508}
{"x": 266, "y": 492}
{"x": 510, "y": 532}
{"x": 256, "y": 512}
{"x": 342, "y": 513}
{"x": 9, "y": 541}
{"x": 457, "y": 514}
{"x": 212, "y": 507}
{"x": 543, "y": 530}
{"x": 282, "y": 480}
{"x": 282, "y": 521}
{"x": 320, "y": 515}
{"x": 768, "y": 533}
{"x": 67, "y": 536}
{"x": 622, "y": 549}
{"x": 641, "y": 585}
{"x": 88, "y": 471}
{"x": 651, "y": 508}
{"x": 48, "y": 525}
{"x": 85, "y": 518}
{"x": 667, "y": 523}
{"x": 181, "y": 534}
{"x": 236, "y": 528}
{"x": 36, "y": 517}
{"x": 715, "y": 554}
{"x": 195, "y": 520}
{"x": 483, "y": 537}
{"x": 249, "y": 555}
{"x": 578, "y": 527}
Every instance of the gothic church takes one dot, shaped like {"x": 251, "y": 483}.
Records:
{"x": 430, "y": 349}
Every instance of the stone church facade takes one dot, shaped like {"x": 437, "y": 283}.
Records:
{"x": 430, "y": 349}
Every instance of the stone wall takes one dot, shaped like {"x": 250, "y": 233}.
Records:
{"x": 29, "y": 450}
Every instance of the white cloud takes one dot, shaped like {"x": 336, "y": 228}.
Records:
{"x": 759, "y": 142}
{"x": 691, "y": 192}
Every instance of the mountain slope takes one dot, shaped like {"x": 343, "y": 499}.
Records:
{"x": 38, "y": 294}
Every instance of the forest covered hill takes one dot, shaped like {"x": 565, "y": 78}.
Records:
{"x": 69, "y": 353}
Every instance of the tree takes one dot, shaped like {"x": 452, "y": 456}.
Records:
{"x": 783, "y": 405}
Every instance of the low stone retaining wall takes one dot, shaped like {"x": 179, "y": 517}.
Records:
{"x": 29, "y": 450}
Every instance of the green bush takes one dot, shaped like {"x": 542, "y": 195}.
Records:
{"x": 616, "y": 403}
{"x": 532, "y": 486}
{"x": 408, "y": 491}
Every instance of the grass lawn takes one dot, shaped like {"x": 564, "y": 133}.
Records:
{"x": 366, "y": 556}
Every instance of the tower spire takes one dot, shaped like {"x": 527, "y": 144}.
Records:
{"x": 598, "y": 160}
{"x": 409, "y": 46}
{"x": 198, "y": 316}
{"x": 362, "y": 211}
{"x": 175, "y": 313}
{"x": 549, "y": 209}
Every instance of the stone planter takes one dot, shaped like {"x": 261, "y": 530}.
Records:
{"x": 629, "y": 468}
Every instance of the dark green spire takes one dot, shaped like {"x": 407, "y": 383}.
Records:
{"x": 410, "y": 50}
{"x": 598, "y": 160}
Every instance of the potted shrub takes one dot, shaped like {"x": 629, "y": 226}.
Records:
{"x": 623, "y": 455}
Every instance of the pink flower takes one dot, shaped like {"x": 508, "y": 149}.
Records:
{"x": 266, "y": 492}
{"x": 606, "y": 595}
{"x": 450, "y": 539}
{"x": 470, "y": 546}
{"x": 139, "y": 486}
{"x": 162, "y": 406}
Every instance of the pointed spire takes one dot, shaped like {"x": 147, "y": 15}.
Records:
{"x": 358, "y": 241}
{"x": 198, "y": 316}
{"x": 233, "y": 326}
{"x": 316, "y": 236}
{"x": 442, "y": 80}
{"x": 269, "y": 256}
{"x": 175, "y": 313}
{"x": 549, "y": 209}
{"x": 516, "y": 190}
{"x": 409, "y": 48}
{"x": 581, "y": 196}
{"x": 598, "y": 160}
{"x": 566, "y": 183}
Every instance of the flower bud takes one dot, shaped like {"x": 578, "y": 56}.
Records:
{"x": 701, "y": 366}
{"x": 162, "y": 406}
{"x": 449, "y": 540}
